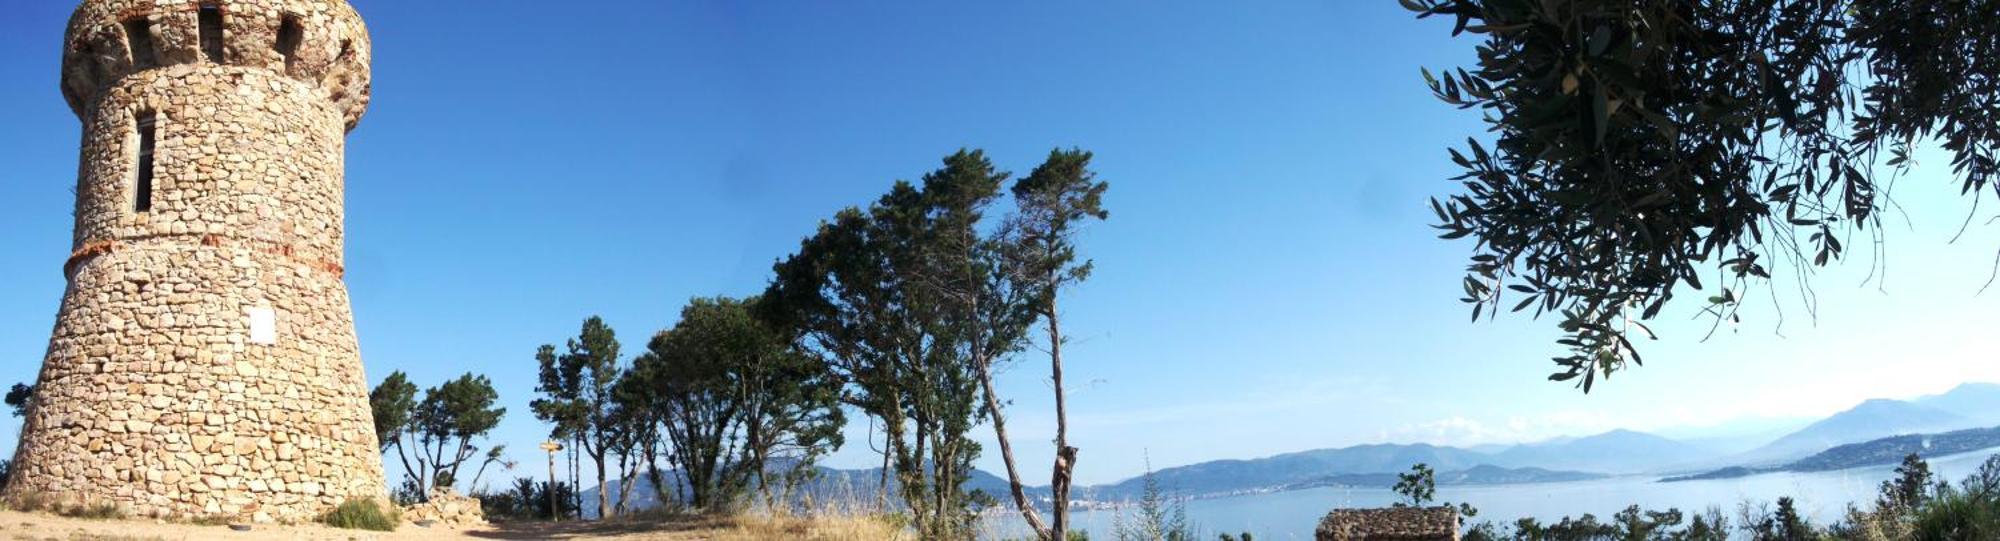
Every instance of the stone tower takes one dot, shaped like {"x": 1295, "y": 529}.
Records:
{"x": 204, "y": 362}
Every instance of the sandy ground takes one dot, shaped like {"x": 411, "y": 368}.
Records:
{"x": 19, "y": 526}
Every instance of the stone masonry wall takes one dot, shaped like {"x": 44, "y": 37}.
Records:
{"x": 1389, "y": 524}
{"x": 204, "y": 362}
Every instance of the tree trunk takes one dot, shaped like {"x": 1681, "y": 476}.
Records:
{"x": 603, "y": 492}
{"x": 653, "y": 472}
{"x": 408, "y": 472}
{"x": 459, "y": 458}
{"x": 919, "y": 508}
{"x": 883, "y": 487}
{"x": 882, "y": 503}
{"x": 680, "y": 485}
{"x": 1065, "y": 466}
{"x": 575, "y": 476}
{"x": 764, "y": 481}
{"x": 555, "y": 511}
{"x": 474, "y": 487}
{"x": 1007, "y": 453}
{"x": 624, "y": 481}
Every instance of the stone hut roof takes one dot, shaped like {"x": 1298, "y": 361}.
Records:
{"x": 1391, "y": 524}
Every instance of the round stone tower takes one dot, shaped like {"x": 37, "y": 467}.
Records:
{"x": 204, "y": 362}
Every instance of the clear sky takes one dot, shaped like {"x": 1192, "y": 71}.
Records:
{"x": 1267, "y": 282}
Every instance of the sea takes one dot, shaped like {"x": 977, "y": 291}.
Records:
{"x": 1292, "y": 515}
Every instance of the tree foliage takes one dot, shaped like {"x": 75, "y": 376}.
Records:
{"x": 576, "y": 389}
{"x": 732, "y": 396}
{"x": 19, "y": 398}
{"x": 1052, "y": 205}
{"x": 1911, "y": 487}
{"x": 1784, "y": 524}
{"x": 528, "y": 498}
{"x": 1417, "y": 487}
{"x": 392, "y": 402}
{"x": 901, "y": 299}
{"x": 1157, "y": 516}
{"x": 1642, "y": 146}
{"x": 1631, "y": 524}
{"x": 437, "y": 431}
{"x": 448, "y": 419}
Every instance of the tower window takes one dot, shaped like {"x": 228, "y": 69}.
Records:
{"x": 139, "y": 37}
{"x": 211, "y": 32}
{"x": 142, "y": 195}
{"x": 290, "y": 34}
{"x": 91, "y": 63}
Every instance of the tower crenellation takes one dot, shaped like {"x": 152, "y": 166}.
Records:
{"x": 319, "y": 42}
{"x": 204, "y": 361}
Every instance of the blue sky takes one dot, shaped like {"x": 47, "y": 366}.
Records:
{"x": 1267, "y": 282}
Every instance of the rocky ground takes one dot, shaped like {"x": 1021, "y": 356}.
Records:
{"x": 37, "y": 527}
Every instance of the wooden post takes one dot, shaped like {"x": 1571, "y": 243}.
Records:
{"x": 555, "y": 511}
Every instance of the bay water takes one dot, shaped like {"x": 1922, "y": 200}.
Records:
{"x": 1292, "y": 515}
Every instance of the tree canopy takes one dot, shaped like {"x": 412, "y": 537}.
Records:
{"x": 1641, "y": 146}
{"x": 438, "y": 430}
{"x": 576, "y": 389}
{"x": 732, "y": 396}
{"x": 451, "y": 415}
{"x": 903, "y": 300}
{"x": 19, "y": 397}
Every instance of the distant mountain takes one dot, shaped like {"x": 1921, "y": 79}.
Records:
{"x": 1478, "y": 475}
{"x": 1618, "y": 451}
{"x": 1880, "y": 452}
{"x": 1871, "y": 420}
{"x": 1495, "y": 475}
{"x": 1731, "y": 472}
{"x": 1738, "y": 436}
{"x": 1977, "y": 402}
{"x": 1891, "y": 450}
{"x": 1227, "y": 476}
{"x": 1828, "y": 443}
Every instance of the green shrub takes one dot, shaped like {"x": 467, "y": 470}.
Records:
{"x": 101, "y": 511}
{"x": 362, "y": 514}
{"x": 1956, "y": 515}
{"x": 29, "y": 501}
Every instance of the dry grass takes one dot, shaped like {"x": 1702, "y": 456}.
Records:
{"x": 81, "y": 536}
{"x": 35, "y": 502}
{"x": 829, "y": 528}
{"x": 738, "y": 527}
{"x": 48, "y": 525}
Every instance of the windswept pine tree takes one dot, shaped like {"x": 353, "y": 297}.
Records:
{"x": 903, "y": 300}
{"x": 433, "y": 437}
{"x": 733, "y": 398}
{"x": 577, "y": 396}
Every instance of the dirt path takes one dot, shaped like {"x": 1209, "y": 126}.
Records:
{"x": 19, "y": 526}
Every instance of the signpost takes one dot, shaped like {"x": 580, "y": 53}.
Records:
{"x": 555, "y": 511}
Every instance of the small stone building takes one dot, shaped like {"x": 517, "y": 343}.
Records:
{"x": 1391, "y": 524}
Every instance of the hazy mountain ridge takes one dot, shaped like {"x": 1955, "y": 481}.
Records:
{"x": 1617, "y": 451}
{"x": 1478, "y": 475}
{"x": 1880, "y": 452}
{"x": 1270, "y": 473}
{"x": 1878, "y": 432}
{"x": 1875, "y": 419}
{"x": 1571, "y": 458}
{"x": 1979, "y": 402}
{"x": 1872, "y": 431}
